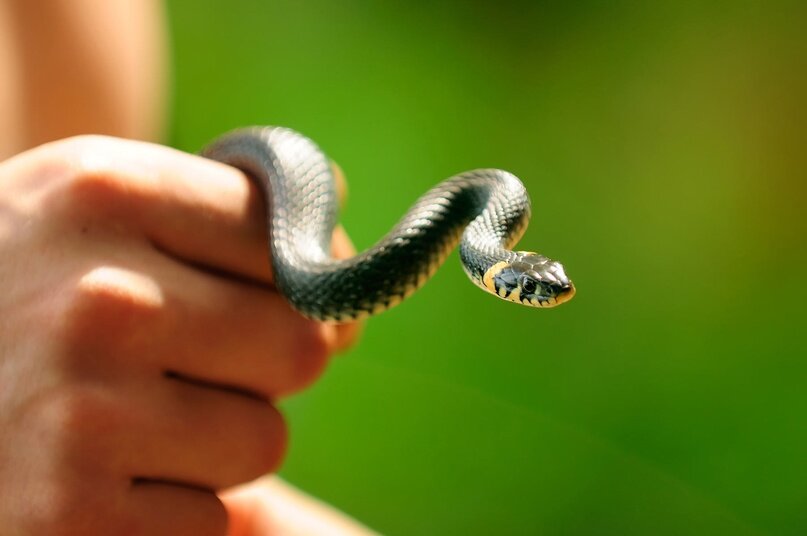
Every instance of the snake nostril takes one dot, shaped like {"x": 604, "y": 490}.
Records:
{"x": 568, "y": 287}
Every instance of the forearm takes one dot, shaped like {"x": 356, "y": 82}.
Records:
{"x": 82, "y": 66}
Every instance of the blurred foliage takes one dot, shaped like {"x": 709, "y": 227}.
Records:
{"x": 663, "y": 144}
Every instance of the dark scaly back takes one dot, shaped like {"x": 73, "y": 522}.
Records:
{"x": 302, "y": 205}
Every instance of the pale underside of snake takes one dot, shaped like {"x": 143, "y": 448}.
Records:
{"x": 486, "y": 211}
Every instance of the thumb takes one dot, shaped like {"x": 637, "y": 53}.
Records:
{"x": 270, "y": 507}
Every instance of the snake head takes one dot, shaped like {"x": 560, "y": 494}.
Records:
{"x": 531, "y": 279}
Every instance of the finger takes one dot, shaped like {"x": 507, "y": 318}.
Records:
{"x": 252, "y": 341}
{"x": 230, "y": 333}
{"x": 149, "y": 313}
{"x": 347, "y": 333}
{"x": 201, "y": 437}
{"x": 164, "y": 509}
{"x": 341, "y": 183}
{"x": 190, "y": 207}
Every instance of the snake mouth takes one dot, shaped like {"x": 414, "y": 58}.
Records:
{"x": 565, "y": 294}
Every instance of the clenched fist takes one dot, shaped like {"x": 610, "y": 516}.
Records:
{"x": 142, "y": 345}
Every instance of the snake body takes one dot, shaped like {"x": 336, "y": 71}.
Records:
{"x": 485, "y": 210}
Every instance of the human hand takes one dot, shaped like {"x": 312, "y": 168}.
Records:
{"x": 141, "y": 343}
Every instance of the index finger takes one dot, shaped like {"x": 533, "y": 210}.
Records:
{"x": 194, "y": 209}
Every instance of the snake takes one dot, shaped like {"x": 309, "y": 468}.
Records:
{"x": 485, "y": 211}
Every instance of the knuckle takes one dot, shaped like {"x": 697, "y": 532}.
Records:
{"x": 86, "y": 192}
{"x": 79, "y": 427}
{"x": 68, "y": 514}
{"x": 110, "y": 303}
{"x": 76, "y": 414}
{"x": 72, "y": 423}
{"x": 63, "y": 510}
{"x": 81, "y": 145}
{"x": 92, "y": 178}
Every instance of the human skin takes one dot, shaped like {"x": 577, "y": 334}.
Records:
{"x": 80, "y": 66}
{"x": 142, "y": 345}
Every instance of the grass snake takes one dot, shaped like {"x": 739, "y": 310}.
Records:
{"x": 486, "y": 211}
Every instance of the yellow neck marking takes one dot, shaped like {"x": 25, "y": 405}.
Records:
{"x": 492, "y": 272}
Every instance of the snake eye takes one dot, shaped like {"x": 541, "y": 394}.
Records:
{"x": 528, "y": 285}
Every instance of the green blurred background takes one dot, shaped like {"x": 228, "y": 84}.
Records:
{"x": 663, "y": 146}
